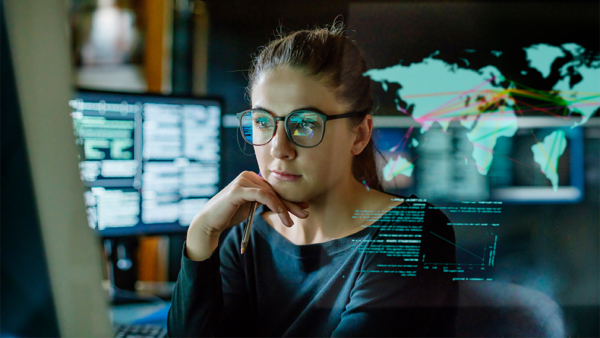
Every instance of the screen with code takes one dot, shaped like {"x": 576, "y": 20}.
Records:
{"x": 150, "y": 162}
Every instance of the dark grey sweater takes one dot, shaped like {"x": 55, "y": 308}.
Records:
{"x": 371, "y": 283}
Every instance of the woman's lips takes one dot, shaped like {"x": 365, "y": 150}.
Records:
{"x": 283, "y": 176}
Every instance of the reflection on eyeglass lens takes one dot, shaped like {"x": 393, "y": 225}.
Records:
{"x": 305, "y": 128}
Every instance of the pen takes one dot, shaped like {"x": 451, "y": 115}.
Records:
{"x": 246, "y": 235}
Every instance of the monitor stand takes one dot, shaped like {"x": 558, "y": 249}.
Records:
{"x": 121, "y": 255}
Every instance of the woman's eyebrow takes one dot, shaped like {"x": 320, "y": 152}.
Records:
{"x": 315, "y": 109}
{"x": 260, "y": 108}
{"x": 311, "y": 108}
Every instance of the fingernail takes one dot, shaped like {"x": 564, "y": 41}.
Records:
{"x": 279, "y": 209}
{"x": 306, "y": 212}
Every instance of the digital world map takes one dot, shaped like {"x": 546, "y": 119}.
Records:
{"x": 488, "y": 104}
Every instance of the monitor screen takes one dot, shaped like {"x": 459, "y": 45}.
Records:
{"x": 150, "y": 162}
{"x": 440, "y": 164}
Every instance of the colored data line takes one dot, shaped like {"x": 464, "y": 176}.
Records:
{"x": 466, "y": 92}
{"x": 403, "y": 141}
{"x": 455, "y": 108}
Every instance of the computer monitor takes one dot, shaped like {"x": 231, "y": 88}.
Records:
{"x": 440, "y": 164}
{"x": 150, "y": 162}
{"x": 51, "y": 273}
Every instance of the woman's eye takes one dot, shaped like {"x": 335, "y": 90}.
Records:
{"x": 307, "y": 124}
{"x": 260, "y": 123}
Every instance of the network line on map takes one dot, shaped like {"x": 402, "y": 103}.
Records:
{"x": 488, "y": 100}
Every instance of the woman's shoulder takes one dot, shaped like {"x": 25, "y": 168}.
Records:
{"x": 433, "y": 214}
{"x": 409, "y": 231}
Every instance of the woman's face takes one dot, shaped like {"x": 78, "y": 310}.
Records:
{"x": 316, "y": 170}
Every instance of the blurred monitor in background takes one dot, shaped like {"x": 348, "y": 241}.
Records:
{"x": 439, "y": 164}
{"x": 150, "y": 162}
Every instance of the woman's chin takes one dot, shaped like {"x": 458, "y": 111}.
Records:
{"x": 290, "y": 193}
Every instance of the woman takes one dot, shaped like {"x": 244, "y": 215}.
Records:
{"x": 326, "y": 257}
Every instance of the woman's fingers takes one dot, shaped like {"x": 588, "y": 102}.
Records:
{"x": 232, "y": 204}
{"x": 296, "y": 209}
{"x": 303, "y": 205}
{"x": 270, "y": 200}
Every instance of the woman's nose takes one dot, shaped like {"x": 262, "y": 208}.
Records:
{"x": 281, "y": 146}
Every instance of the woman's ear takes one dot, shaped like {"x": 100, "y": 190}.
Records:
{"x": 362, "y": 135}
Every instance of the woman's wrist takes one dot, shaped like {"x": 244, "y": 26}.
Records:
{"x": 201, "y": 242}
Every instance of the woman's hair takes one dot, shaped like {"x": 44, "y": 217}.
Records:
{"x": 327, "y": 54}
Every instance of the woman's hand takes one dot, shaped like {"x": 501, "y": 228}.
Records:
{"x": 230, "y": 207}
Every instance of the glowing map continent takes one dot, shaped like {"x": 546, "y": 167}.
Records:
{"x": 547, "y": 153}
{"x": 542, "y": 56}
{"x": 436, "y": 76}
{"x": 400, "y": 166}
{"x": 584, "y": 95}
{"x": 483, "y": 137}
{"x": 485, "y": 102}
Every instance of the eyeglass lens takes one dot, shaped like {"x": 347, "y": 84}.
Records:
{"x": 305, "y": 127}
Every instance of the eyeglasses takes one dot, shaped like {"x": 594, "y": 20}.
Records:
{"x": 305, "y": 128}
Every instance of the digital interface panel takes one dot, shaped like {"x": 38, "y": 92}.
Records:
{"x": 439, "y": 164}
{"x": 150, "y": 162}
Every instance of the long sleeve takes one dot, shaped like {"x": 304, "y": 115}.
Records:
{"x": 210, "y": 298}
{"x": 197, "y": 299}
{"x": 280, "y": 289}
{"x": 390, "y": 305}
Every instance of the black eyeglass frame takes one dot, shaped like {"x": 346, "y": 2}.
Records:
{"x": 285, "y": 123}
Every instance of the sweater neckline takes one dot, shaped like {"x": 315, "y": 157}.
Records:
{"x": 332, "y": 247}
